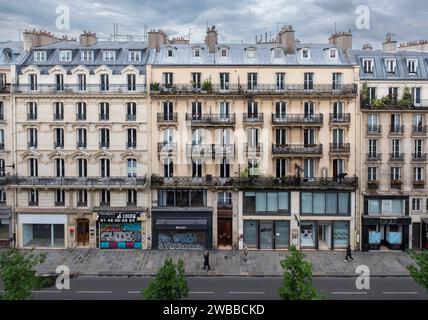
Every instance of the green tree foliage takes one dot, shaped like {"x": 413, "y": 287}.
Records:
{"x": 420, "y": 271}
{"x": 297, "y": 278}
{"x": 17, "y": 274}
{"x": 169, "y": 284}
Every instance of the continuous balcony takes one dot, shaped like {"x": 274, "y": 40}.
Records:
{"x": 252, "y": 118}
{"x": 418, "y": 184}
{"x": 340, "y": 148}
{"x": 292, "y": 90}
{"x": 74, "y": 182}
{"x": 340, "y": 118}
{"x": 209, "y": 119}
{"x": 254, "y": 182}
{"x": 65, "y": 89}
{"x": 393, "y": 105}
{"x": 167, "y": 118}
{"x": 297, "y": 150}
{"x": 298, "y": 120}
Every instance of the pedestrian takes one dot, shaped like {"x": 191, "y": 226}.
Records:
{"x": 348, "y": 253}
{"x": 245, "y": 253}
{"x": 207, "y": 260}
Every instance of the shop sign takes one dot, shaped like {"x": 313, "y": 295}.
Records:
{"x": 180, "y": 227}
{"x": 119, "y": 217}
{"x": 387, "y": 221}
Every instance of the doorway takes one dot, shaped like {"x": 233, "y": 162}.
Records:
{"x": 324, "y": 236}
{"x": 225, "y": 232}
{"x": 83, "y": 232}
{"x": 416, "y": 236}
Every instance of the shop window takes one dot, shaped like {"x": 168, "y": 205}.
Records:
{"x": 43, "y": 235}
{"x": 374, "y": 235}
{"x": 282, "y": 234}
{"x": 394, "y": 234}
{"x": 4, "y": 228}
{"x": 182, "y": 198}
{"x": 340, "y": 234}
{"x": 307, "y": 234}
{"x": 325, "y": 203}
{"x": 250, "y": 233}
{"x": 265, "y": 202}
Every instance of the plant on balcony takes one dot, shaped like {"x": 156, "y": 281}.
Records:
{"x": 155, "y": 86}
{"x": 207, "y": 86}
{"x": 419, "y": 183}
{"x": 244, "y": 174}
{"x": 406, "y": 101}
{"x": 396, "y": 182}
{"x": 364, "y": 94}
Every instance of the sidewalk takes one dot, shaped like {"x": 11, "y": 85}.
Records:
{"x": 223, "y": 263}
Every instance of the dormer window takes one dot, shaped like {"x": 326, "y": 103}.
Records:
{"x": 224, "y": 53}
{"x": 412, "y": 65}
{"x": 87, "y": 55}
{"x": 65, "y": 55}
{"x": 109, "y": 55}
{"x": 277, "y": 53}
{"x": 39, "y": 56}
{"x": 134, "y": 55}
{"x": 196, "y": 53}
{"x": 169, "y": 53}
{"x": 251, "y": 53}
{"x": 306, "y": 54}
{"x": 390, "y": 65}
{"x": 332, "y": 53}
{"x": 368, "y": 65}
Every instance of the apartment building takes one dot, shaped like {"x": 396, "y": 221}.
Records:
{"x": 81, "y": 143}
{"x": 253, "y": 144}
{"x": 394, "y": 106}
{"x": 11, "y": 53}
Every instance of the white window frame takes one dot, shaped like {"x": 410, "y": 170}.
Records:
{"x": 87, "y": 55}
{"x": 277, "y": 53}
{"x": 224, "y": 53}
{"x": 65, "y": 55}
{"x": 134, "y": 55}
{"x": 306, "y": 54}
{"x": 366, "y": 64}
{"x": 390, "y": 65}
{"x": 412, "y": 66}
{"x": 416, "y": 204}
{"x": 40, "y": 56}
{"x": 196, "y": 53}
{"x": 251, "y": 53}
{"x": 335, "y": 55}
{"x": 109, "y": 55}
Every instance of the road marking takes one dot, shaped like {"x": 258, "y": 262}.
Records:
{"x": 83, "y": 291}
{"x": 405, "y": 292}
{"x": 134, "y": 292}
{"x": 201, "y": 292}
{"x": 349, "y": 292}
{"x": 46, "y": 291}
{"x": 246, "y": 292}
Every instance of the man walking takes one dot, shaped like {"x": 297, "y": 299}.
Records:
{"x": 348, "y": 253}
{"x": 207, "y": 260}
{"x": 245, "y": 253}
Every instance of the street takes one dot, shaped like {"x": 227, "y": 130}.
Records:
{"x": 234, "y": 288}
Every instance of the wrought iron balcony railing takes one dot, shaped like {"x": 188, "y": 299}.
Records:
{"x": 419, "y": 130}
{"x": 199, "y": 150}
{"x": 167, "y": 147}
{"x": 167, "y": 117}
{"x": 253, "y": 150}
{"x": 394, "y": 105}
{"x": 373, "y": 156}
{"x": 76, "y": 88}
{"x": 396, "y": 156}
{"x": 292, "y": 149}
{"x": 252, "y": 118}
{"x": 5, "y": 87}
{"x": 374, "y": 129}
{"x": 297, "y": 119}
{"x": 396, "y": 129}
{"x": 419, "y": 156}
{"x": 208, "y": 118}
{"x": 339, "y": 118}
{"x": 340, "y": 147}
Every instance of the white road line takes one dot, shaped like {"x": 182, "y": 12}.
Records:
{"x": 349, "y": 292}
{"x": 134, "y": 292}
{"x": 201, "y": 292}
{"x": 246, "y": 292}
{"x": 46, "y": 291}
{"x": 83, "y": 291}
{"x": 397, "y": 292}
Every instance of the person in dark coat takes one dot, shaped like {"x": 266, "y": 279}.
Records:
{"x": 348, "y": 253}
{"x": 207, "y": 260}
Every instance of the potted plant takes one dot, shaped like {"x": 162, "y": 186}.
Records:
{"x": 395, "y": 183}
{"x": 207, "y": 86}
{"x": 373, "y": 184}
{"x": 155, "y": 87}
{"x": 418, "y": 184}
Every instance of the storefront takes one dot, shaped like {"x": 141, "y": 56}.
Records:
{"x": 42, "y": 230}
{"x": 267, "y": 234}
{"x": 5, "y": 228}
{"x": 385, "y": 233}
{"x": 182, "y": 229}
{"x": 324, "y": 235}
{"x": 120, "y": 230}
{"x": 425, "y": 234}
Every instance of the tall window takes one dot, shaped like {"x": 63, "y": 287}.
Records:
{"x": 104, "y": 198}
{"x": 196, "y": 80}
{"x": 131, "y": 111}
{"x": 58, "y": 111}
{"x": 134, "y": 56}
{"x": 418, "y": 174}
{"x": 368, "y": 65}
{"x": 168, "y": 110}
{"x": 309, "y": 168}
{"x": 168, "y": 168}
{"x": 33, "y": 197}
{"x": 281, "y": 168}
{"x": 309, "y": 109}
{"x": 131, "y": 138}
{"x": 59, "y": 138}
{"x": 59, "y": 82}
{"x": 131, "y": 197}
{"x": 2, "y": 140}
{"x": 104, "y": 111}
{"x": 65, "y": 55}
{"x": 32, "y": 80}
{"x": 59, "y": 167}
{"x": 32, "y": 111}
{"x": 280, "y": 109}
{"x": 33, "y": 167}
{"x": 395, "y": 173}
{"x": 109, "y": 55}
{"x": 82, "y": 198}
{"x": 104, "y": 82}
{"x": 59, "y": 197}
{"x": 2, "y": 168}
{"x": 253, "y": 109}
{"x": 104, "y": 138}
{"x": 105, "y": 167}
{"x": 224, "y": 168}
{"x": 81, "y": 82}
{"x": 393, "y": 94}
{"x": 224, "y": 107}
{"x": 416, "y": 96}
{"x": 373, "y": 147}
{"x": 252, "y": 81}
{"x": 82, "y": 167}
{"x": 81, "y": 111}
{"x": 197, "y": 168}
{"x": 308, "y": 81}
{"x": 87, "y": 55}
{"x": 132, "y": 82}
{"x": 372, "y": 173}
{"x": 1, "y": 108}
{"x": 280, "y": 80}
{"x": 81, "y": 138}
{"x": 32, "y": 138}
{"x": 168, "y": 80}
{"x": 224, "y": 81}
{"x": 132, "y": 167}
{"x": 196, "y": 110}
{"x": 390, "y": 64}
{"x": 412, "y": 65}
{"x": 337, "y": 81}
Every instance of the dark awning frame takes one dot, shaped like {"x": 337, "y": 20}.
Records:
{"x": 181, "y": 224}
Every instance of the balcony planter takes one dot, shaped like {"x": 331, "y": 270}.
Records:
{"x": 420, "y": 184}
{"x": 373, "y": 184}
{"x": 155, "y": 87}
{"x": 207, "y": 86}
{"x": 396, "y": 184}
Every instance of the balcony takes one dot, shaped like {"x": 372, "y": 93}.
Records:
{"x": 131, "y": 145}
{"x": 103, "y": 117}
{"x": 340, "y": 118}
{"x": 373, "y": 156}
{"x": 74, "y": 182}
{"x": 82, "y": 203}
{"x": 340, "y": 148}
{"x": 167, "y": 149}
{"x": 419, "y": 156}
{"x": 5, "y": 87}
{"x": 33, "y": 203}
{"x": 419, "y": 130}
{"x": 390, "y": 104}
{"x": 396, "y": 183}
{"x": 374, "y": 130}
{"x": 298, "y": 120}
{"x": 78, "y": 89}
{"x": 254, "y": 182}
{"x": 209, "y": 119}
{"x": 131, "y": 117}
{"x": 296, "y": 90}
{"x": 396, "y": 156}
{"x": 59, "y": 203}
{"x": 418, "y": 184}
{"x": 199, "y": 150}
{"x": 224, "y": 151}
{"x": 167, "y": 118}
{"x": 104, "y": 203}
{"x": 396, "y": 130}
{"x": 372, "y": 185}
{"x": 253, "y": 150}
{"x": 31, "y": 116}
{"x": 253, "y": 118}
{"x": 80, "y": 116}
{"x": 297, "y": 150}
{"x": 131, "y": 203}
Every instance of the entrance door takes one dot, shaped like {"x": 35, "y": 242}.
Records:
{"x": 225, "y": 232}
{"x": 324, "y": 236}
{"x": 83, "y": 232}
{"x": 266, "y": 234}
{"x": 416, "y": 236}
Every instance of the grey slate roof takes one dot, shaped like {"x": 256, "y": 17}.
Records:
{"x": 380, "y": 71}
{"x": 183, "y": 55}
{"x": 17, "y": 52}
{"x": 121, "y": 48}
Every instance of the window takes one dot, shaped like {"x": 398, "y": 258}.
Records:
{"x": 281, "y": 168}
{"x": 224, "y": 81}
{"x": 395, "y": 147}
{"x": 104, "y": 138}
{"x": 1, "y": 108}
{"x": 59, "y": 138}
{"x": 251, "y": 53}
{"x": 319, "y": 203}
{"x": 131, "y": 197}
{"x": 65, "y": 55}
{"x": 105, "y": 167}
{"x": 252, "y": 81}
{"x": 168, "y": 168}
{"x": 2, "y": 141}
{"x": 368, "y": 65}
{"x": 196, "y": 80}
{"x": 277, "y": 53}
{"x": 373, "y": 148}
{"x": 58, "y": 111}
{"x": 2, "y": 81}
{"x": 305, "y": 54}
{"x": 332, "y": 53}
{"x": 418, "y": 148}
{"x": 3, "y": 202}
{"x": 418, "y": 174}
{"x": 224, "y": 53}
{"x": 372, "y": 173}
{"x": 280, "y": 109}
{"x": 265, "y": 202}
{"x": 109, "y": 55}
{"x": 33, "y": 168}
{"x": 280, "y": 80}
{"x": 252, "y": 108}
{"x": 169, "y": 53}
{"x": 168, "y": 110}
{"x": 224, "y": 168}
{"x": 32, "y": 79}
{"x": 39, "y": 56}
{"x": 132, "y": 167}
{"x": 308, "y": 81}
{"x": 81, "y": 82}
{"x": 32, "y": 138}
{"x": 59, "y": 167}
{"x": 416, "y": 204}
{"x": 395, "y": 173}
{"x": 393, "y": 94}
{"x": 197, "y": 168}
{"x": 2, "y": 168}
{"x": 87, "y": 55}
{"x": 104, "y": 82}
{"x": 104, "y": 198}
{"x": 81, "y": 111}
{"x": 182, "y": 198}
{"x": 196, "y": 53}
{"x": 82, "y": 198}
{"x": 372, "y": 93}
{"x": 81, "y": 138}
{"x": 59, "y": 82}
{"x": 131, "y": 142}
{"x": 224, "y": 198}
{"x": 412, "y": 65}
{"x": 337, "y": 81}
{"x": 168, "y": 79}
{"x": 59, "y": 197}
{"x": 33, "y": 197}
{"x": 390, "y": 65}
{"x": 416, "y": 96}
{"x": 131, "y": 111}
{"x": 104, "y": 111}
{"x": 82, "y": 167}
{"x": 134, "y": 56}
{"x": 132, "y": 82}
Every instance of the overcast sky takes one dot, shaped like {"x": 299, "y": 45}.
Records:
{"x": 236, "y": 20}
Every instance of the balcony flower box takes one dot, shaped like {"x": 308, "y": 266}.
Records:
{"x": 419, "y": 184}
{"x": 373, "y": 184}
{"x": 396, "y": 184}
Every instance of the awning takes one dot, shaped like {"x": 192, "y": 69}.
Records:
{"x": 387, "y": 220}
{"x": 182, "y": 224}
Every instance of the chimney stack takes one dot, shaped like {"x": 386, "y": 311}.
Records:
{"x": 287, "y": 39}
{"x": 367, "y": 46}
{"x": 389, "y": 44}
{"x": 342, "y": 40}
{"x": 88, "y": 38}
{"x": 34, "y": 38}
{"x": 211, "y": 39}
{"x": 156, "y": 39}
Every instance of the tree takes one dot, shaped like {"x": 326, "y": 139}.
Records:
{"x": 169, "y": 284}
{"x": 297, "y": 278}
{"x": 419, "y": 272}
{"x": 17, "y": 274}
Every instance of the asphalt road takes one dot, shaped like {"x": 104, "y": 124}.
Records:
{"x": 233, "y": 288}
